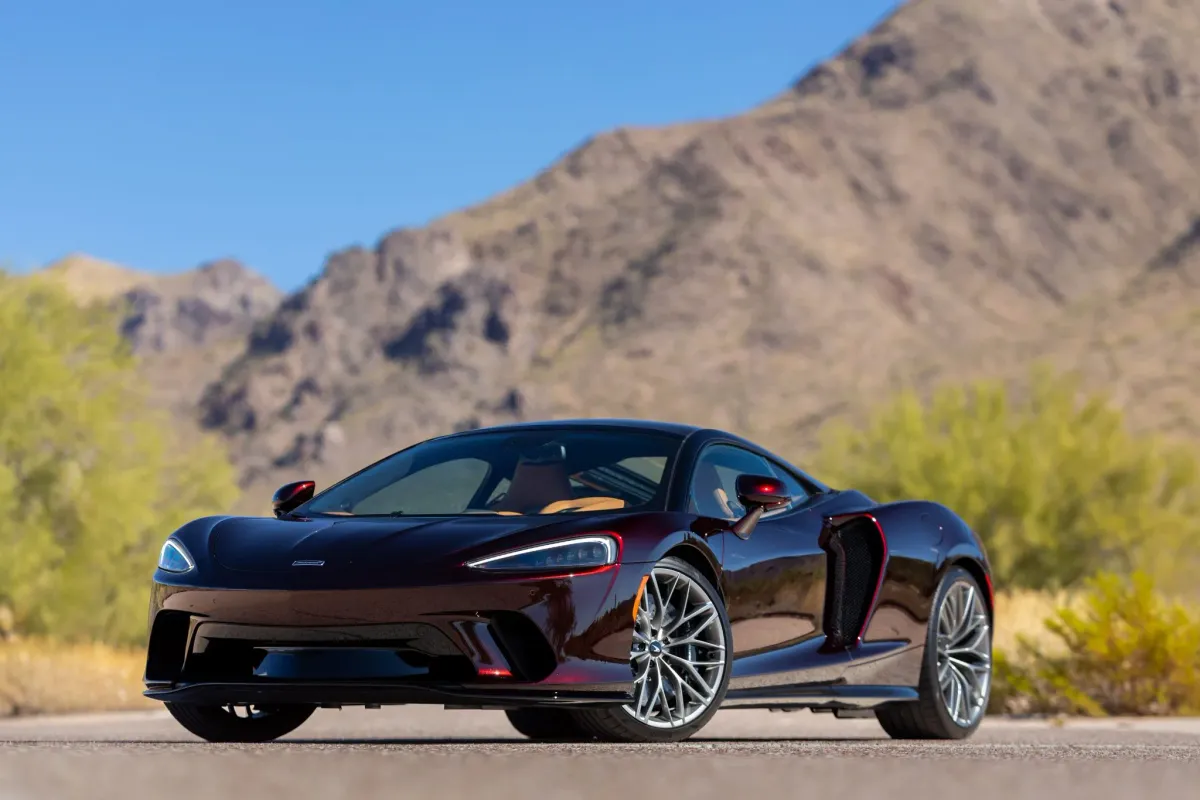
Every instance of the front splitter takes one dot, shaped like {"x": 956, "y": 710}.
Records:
{"x": 369, "y": 694}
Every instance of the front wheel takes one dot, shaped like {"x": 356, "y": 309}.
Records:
{"x": 682, "y": 648}
{"x": 253, "y": 724}
{"x": 956, "y": 675}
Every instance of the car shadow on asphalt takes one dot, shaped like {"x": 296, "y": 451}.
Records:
{"x": 442, "y": 742}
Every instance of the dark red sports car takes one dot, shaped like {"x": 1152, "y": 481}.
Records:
{"x": 597, "y": 579}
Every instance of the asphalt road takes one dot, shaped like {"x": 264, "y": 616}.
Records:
{"x": 427, "y": 752}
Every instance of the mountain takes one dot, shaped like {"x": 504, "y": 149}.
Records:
{"x": 168, "y": 313}
{"x": 219, "y": 299}
{"x": 964, "y": 188}
{"x": 186, "y": 326}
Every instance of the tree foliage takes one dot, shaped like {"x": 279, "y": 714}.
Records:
{"x": 1052, "y": 480}
{"x": 91, "y": 478}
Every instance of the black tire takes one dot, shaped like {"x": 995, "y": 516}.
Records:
{"x": 546, "y": 724}
{"x": 928, "y": 718}
{"x": 619, "y": 725}
{"x": 220, "y": 724}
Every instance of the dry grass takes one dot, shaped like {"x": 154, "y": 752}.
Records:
{"x": 43, "y": 677}
{"x": 1023, "y": 612}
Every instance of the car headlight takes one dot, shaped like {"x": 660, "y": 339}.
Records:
{"x": 174, "y": 557}
{"x": 584, "y": 552}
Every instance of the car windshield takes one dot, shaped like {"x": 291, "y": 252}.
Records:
{"x": 527, "y": 472}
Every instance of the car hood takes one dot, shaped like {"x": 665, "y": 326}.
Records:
{"x": 400, "y": 545}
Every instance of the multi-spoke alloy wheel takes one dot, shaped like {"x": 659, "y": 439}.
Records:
{"x": 956, "y": 673}
{"x": 679, "y": 656}
{"x": 678, "y": 651}
{"x": 964, "y": 653}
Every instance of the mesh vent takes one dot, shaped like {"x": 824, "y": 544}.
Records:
{"x": 855, "y": 559}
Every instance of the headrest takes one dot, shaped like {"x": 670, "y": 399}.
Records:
{"x": 552, "y": 453}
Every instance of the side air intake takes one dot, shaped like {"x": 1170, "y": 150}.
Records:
{"x": 856, "y": 552}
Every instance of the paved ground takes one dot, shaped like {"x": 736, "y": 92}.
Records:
{"x": 427, "y": 752}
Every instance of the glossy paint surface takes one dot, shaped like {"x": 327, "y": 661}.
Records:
{"x": 411, "y": 570}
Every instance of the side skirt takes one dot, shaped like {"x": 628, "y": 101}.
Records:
{"x": 829, "y": 697}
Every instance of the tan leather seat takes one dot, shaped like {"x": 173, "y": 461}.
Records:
{"x": 535, "y": 486}
{"x": 585, "y": 504}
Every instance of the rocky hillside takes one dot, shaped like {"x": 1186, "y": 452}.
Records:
{"x": 187, "y": 326}
{"x": 217, "y": 300}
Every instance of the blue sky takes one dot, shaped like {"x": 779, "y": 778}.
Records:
{"x": 160, "y": 134}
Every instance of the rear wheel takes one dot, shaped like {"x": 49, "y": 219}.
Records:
{"x": 240, "y": 724}
{"x": 956, "y": 675}
{"x": 682, "y": 647}
{"x": 546, "y": 724}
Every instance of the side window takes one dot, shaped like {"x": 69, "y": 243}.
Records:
{"x": 794, "y": 487}
{"x": 713, "y": 491}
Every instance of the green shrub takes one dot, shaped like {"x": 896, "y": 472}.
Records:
{"x": 1054, "y": 483}
{"x": 1126, "y": 651}
{"x": 91, "y": 479}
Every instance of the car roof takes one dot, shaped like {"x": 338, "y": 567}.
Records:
{"x": 649, "y": 426}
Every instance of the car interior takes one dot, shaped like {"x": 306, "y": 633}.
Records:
{"x": 542, "y": 484}
{"x": 709, "y": 497}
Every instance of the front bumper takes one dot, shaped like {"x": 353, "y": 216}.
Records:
{"x": 500, "y": 642}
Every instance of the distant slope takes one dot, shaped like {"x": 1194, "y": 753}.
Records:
{"x": 189, "y": 326}
{"x": 191, "y": 309}
{"x": 172, "y": 311}
{"x": 89, "y": 279}
{"x": 186, "y": 326}
{"x": 1140, "y": 343}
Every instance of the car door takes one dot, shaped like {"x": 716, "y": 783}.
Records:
{"x": 775, "y": 578}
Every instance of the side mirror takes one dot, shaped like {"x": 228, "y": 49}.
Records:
{"x": 292, "y": 495}
{"x": 758, "y": 493}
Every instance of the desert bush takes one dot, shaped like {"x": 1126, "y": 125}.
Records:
{"x": 1126, "y": 650}
{"x": 91, "y": 479}
{"x": 1052, "y": 480}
